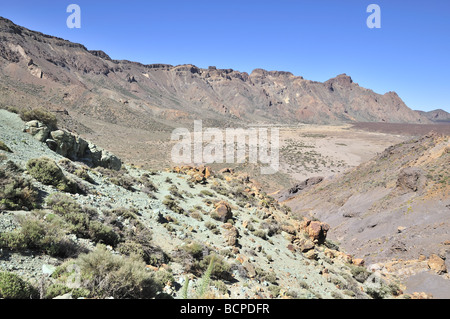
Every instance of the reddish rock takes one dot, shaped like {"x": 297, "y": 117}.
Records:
{"x": 358, "y": 262}
{"x": 231, "y": 234}
{"x": 223, "y": 211}
{"x": 317, "y": 231}
{"x": 437, "y": 264}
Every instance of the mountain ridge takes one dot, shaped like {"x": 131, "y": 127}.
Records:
{"x": 83, "y": 81}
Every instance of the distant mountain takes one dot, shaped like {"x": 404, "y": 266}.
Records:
{"x": 38, "y": 70}
{"x": 436, "y": 115}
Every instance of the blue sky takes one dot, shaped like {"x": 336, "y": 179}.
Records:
{"x": 317, "y": 39}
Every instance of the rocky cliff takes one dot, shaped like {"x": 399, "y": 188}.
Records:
{"x": 41, "y": 70}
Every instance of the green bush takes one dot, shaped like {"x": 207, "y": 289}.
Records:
{"x": 359, "y": 273}
{"x": 171, "y": 204}
{"x": 58, "y": 289}
{"x": 139, "y": 242}
{"x": 40, "y": 115}
{"x": 5, "y": 148}
{"x": 104, "y": 234}
{"x": 125, "y": 213}
{"x": 16, "y": 192}
{"x": 206, "y": 193}
{"x": 74, "y": 214}
{"x": 274, "y": 290}
{"x": 220, "y": 269}
{"x": 260, "y": 233}
{"x": 47, "y": 172}
{"x": 196, "y": 250}
{"x": 108, "y": 275}
{"x": 14, "y": 287}
{"x": 82, "y": 172}
{"x": 42, "y": 233}
{"x": 125, "y": 181}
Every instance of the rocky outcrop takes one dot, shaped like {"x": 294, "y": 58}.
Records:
{"x": 296, "y": 189}
{"x": 411, "y": 179}
{"x": 38, "y": 130}
{"x": 73, "y": 146}
{"x": 69, "y": 145}
{"x": 317, "y": 231}
{"x": 198, "y": 174}
{"x": 437, "y": 264}
{"x": 231, "y": 234}
{"x": 103, "y": 158}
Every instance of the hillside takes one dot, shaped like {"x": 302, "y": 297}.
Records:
{"x": 392, "y": 210}
{"x": 161, "y": 229}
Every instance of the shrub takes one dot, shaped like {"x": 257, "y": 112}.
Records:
{"x": 164, "y": 277}
{"x": 14, "y": 287}
{"x": 195, "y": 249}
{"x": 48, "y": 172}
{"x": 16, "y": 192}
{"x": 206, "y": 193}
{"x": 82, "y": 172}
{"x": 149, "y": 186}
{"x": 359, "y": 273}
{"x": 108, "y": 275}
{"x": 124, "y": 181}
{"x": 74, "y": 214}
{"x": 260, "y": 233}
{"x": 58, "y": 289}
{"x": 47, "y": 235}
{"x": 125, "y": 213}
{"x": 274, "y": 290}
{"x": 40, "y": 115}
{"x": 104, "y": 234}
{"x": 171, "y": 204}
{"x": 139, "y": 242}
{"x": 220, "y": 268}
{"x": 272, "y": 227}
{"x": 5, "y": 148}
{"x": 270, "y": 277}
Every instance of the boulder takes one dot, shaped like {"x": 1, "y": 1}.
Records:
{"x": 226, "y": 170}
{"x": 100, "y": 157}
{"x": 437, "y": 264}
{"x": 307, "y": 245}
{"x": 75, "y": 148}
{"x": 38, "y": 130}
{"x": 223, "y": 211}
{"x": 310, "y": 254}
{"x": 317, "y": 231}
{"x": 231, "y": 234}
{"x": 69, "y": 145}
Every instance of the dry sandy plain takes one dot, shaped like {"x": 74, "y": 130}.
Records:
{"x": 305, "y": 150}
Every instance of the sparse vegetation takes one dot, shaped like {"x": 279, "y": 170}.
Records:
{"x": 171, "y": 204}
{"x": 40, "y": 115}
{"x": 4, "y": 147}
{"x": 16, "y": 192}
{"x": 41, "y": 232}
{"x": 47, "y": 172}
{"x": 14, "y": 287}
{"x": 106, "y": 275}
